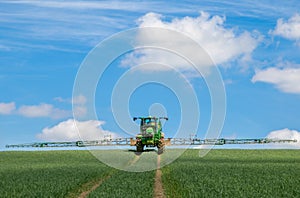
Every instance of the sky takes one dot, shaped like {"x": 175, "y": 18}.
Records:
{"x": 254, "y": 45}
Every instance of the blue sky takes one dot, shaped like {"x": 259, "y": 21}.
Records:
{"x": 43, "y": 44}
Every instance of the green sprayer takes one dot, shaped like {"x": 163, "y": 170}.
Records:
{"x": 150, "y": 135}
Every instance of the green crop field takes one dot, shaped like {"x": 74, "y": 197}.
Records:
{"x": 221, "y": 173}
{"x": 47, "y": 173}
{"x": 234, "y": 173}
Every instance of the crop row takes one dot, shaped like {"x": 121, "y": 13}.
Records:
{"x": 221, "y": 173}
{"x": 69, "y": 173}
{"x": 234, "y": 173}
{"x": 47, "y": 173}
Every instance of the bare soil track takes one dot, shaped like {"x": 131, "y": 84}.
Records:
{"x": 158, "y": 191}
{"x": 158, "y": 186}
{"x": 85, "y": 194}
{"x": 95, "y": 186}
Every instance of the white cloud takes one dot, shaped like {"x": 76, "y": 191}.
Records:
{"x": 285, "y": 134}
{"x": 222, "y": 44}
{"x": 47, "y": 110}
{"x": 76, "y": 100}
{"x": 79, "y": 100}
{"x": 60, "y": 99}
{"x": 7, "y": 108}
{"x": 79, "y": 111}
{"x": 286, "y": 79}
{"x": 43, "y": 110}
{"x": 288, "y": 29}
{"x": 73, "y": 130}
{"x": 79, "y": 104}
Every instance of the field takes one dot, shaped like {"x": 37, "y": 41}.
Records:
{"x": 234, "y": 173}
{"x": 221, "y": 173}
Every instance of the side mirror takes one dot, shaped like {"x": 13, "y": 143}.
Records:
{"x": 134, "y": 118}
{"x": 166, "y": 118}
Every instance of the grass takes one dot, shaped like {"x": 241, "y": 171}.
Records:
{"x": 234, "y": 173}
{"x": 127, "y": 184}
{"x": 221, "y": 173}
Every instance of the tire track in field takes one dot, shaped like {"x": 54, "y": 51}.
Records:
{"x": 95, "y": 186}
{"x": 102, "y": 180}
{"x": 158, "y": 186}
{"x": 134, "y": 160}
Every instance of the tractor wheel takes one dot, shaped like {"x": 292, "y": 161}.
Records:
{"x": 139, "y": 147}
{"x": 161, "y": 146}
{"x": 160, "y": 150}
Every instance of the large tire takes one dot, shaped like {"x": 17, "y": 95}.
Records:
{"x": 139, "y": 147}
{"x": 161, "y": 146}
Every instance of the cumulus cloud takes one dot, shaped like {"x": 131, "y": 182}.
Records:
{"x": 79, "y": 111}
{"x": 46, "y": 110}
{"x": 285, "y": 79}
{"x": 73, "y": 130}
{"x": 7, "y": 108}
{"x": 286, "y": 134}
{"x": 289, "y": 29}
{"x": 221, "y": 43}
{"x": 43, "y": 110}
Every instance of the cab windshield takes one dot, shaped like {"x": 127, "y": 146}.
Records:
{"x": 148, "y": 121}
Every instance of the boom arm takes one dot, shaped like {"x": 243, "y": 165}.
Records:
{"x": 173, "y": 141}
{"x": 140, "y": 118}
